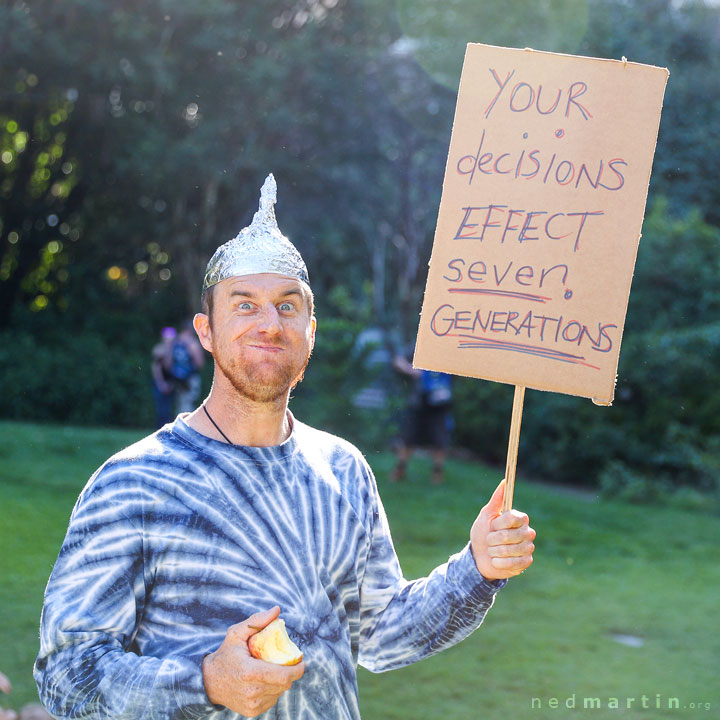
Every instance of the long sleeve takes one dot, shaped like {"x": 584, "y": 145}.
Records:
{"x": 94, "y": 601}
{"x": 405, "y": 621}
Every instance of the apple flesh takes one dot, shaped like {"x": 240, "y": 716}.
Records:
{"x": 273, "y": 645}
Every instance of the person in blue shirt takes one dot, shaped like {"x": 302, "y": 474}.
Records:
{"x": 184, "y": 545}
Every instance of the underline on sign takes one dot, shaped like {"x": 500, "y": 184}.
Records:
{"x": 504, "y": 293}
{"x": 477, "y": 343}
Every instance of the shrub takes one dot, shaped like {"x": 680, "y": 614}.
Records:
{"x": 81, "y": 380}
{"x": 87, "y": 380}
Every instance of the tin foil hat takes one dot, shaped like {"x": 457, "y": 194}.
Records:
{"x": 258, "y": 248}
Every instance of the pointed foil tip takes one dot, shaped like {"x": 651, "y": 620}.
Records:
{"x": 268, "y": 195}
{"x": 258, "y": 248}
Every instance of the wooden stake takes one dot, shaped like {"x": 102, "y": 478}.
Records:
{"x": 513, "y": 444}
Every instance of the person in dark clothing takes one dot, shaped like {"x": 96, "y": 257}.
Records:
{"x": 428, "y": 420}
{"x": 162, "y": 384}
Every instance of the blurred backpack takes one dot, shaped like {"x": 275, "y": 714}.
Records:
{"x": 181, "y": 367}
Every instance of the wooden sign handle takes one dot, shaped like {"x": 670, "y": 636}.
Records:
{"x": 513, "y": 444}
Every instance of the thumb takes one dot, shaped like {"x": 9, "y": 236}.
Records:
{"x": 256, "y": 622}
{"x": 494, "y": 505}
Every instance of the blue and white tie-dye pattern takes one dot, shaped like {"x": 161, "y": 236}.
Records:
{"x": 180, "y": 536}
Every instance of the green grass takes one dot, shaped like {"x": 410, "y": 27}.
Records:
{"x": 601, "y": 567}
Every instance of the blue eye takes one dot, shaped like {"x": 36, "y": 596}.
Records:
{"x": 245, "y": 306}
{"x": 286, "y": 307}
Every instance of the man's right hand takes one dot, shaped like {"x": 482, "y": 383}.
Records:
{"x": 235, "y": 679}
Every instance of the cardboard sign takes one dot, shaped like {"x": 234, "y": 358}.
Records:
{"x": 540, "y": 218}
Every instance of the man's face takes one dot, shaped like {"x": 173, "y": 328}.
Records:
{"x": 261, "y": 334}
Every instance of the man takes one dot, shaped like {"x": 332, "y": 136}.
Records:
{"x": 184, "y": 545}
{"x": 427, "y": 420}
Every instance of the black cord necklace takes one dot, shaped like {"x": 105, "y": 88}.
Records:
{"x": 217, "y": 427}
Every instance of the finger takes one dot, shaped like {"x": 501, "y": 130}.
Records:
{"x": 263, "y": 690}
{"x": 512, "y": 536}
{"x": 256, "y": 622}
{"x": 512, "y": 565}
{"x": 257, "y": 704}
{"x": 510, "y": 519}
{"x": 520, "y": 550}
{"x": 295, "y": 672}
{"x": 264, "y": 693}
{"x": 286, "y": 674}
{"x": 267, "y": 673}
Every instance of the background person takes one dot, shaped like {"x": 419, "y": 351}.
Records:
{"x": 188, "y": 359}
{"x": 162, "y": 381}
{"x": 428, "y": 418}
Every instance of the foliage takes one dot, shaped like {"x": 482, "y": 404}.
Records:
{"x": 134, "y": 137}
{"x": 175, "y": 123}
{"x": 438, "y": 32}
{"x": 620, "y": 481}
{"x": 675, "y": 285}
{"x": 81, "y": 380}
{"x": 684, "y": 38}
{"x": 138, "y": 163}
{"x": 93, "y": 378}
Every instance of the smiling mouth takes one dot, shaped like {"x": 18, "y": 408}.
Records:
{"x": 267, "y": 348}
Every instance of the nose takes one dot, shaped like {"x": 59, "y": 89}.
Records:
{"x": 270, "y": 321}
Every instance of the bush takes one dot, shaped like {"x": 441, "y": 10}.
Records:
{"x": 87, "y": 380}
{"x": 619, "y": 481}
{"x": 80, "y": 380}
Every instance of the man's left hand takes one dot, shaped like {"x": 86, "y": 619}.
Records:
{"x": 502, "y": 543}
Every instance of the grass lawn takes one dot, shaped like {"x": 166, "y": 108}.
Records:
{"x": 602, "y": 569}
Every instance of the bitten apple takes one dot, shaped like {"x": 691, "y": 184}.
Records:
{"x": 273, "y": 645}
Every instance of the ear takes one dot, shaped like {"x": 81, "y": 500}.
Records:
{"x": 313, "y": 328}
{"x": 201, "y": 323}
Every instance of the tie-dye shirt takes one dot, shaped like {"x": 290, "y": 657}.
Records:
{"x": 180, "y": 536}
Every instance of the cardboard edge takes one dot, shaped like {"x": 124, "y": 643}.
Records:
{"x": 623, "y": 61}
{"x": 602, "y": 401}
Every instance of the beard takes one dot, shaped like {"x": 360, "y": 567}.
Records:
{"x": 260, "y": 383}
